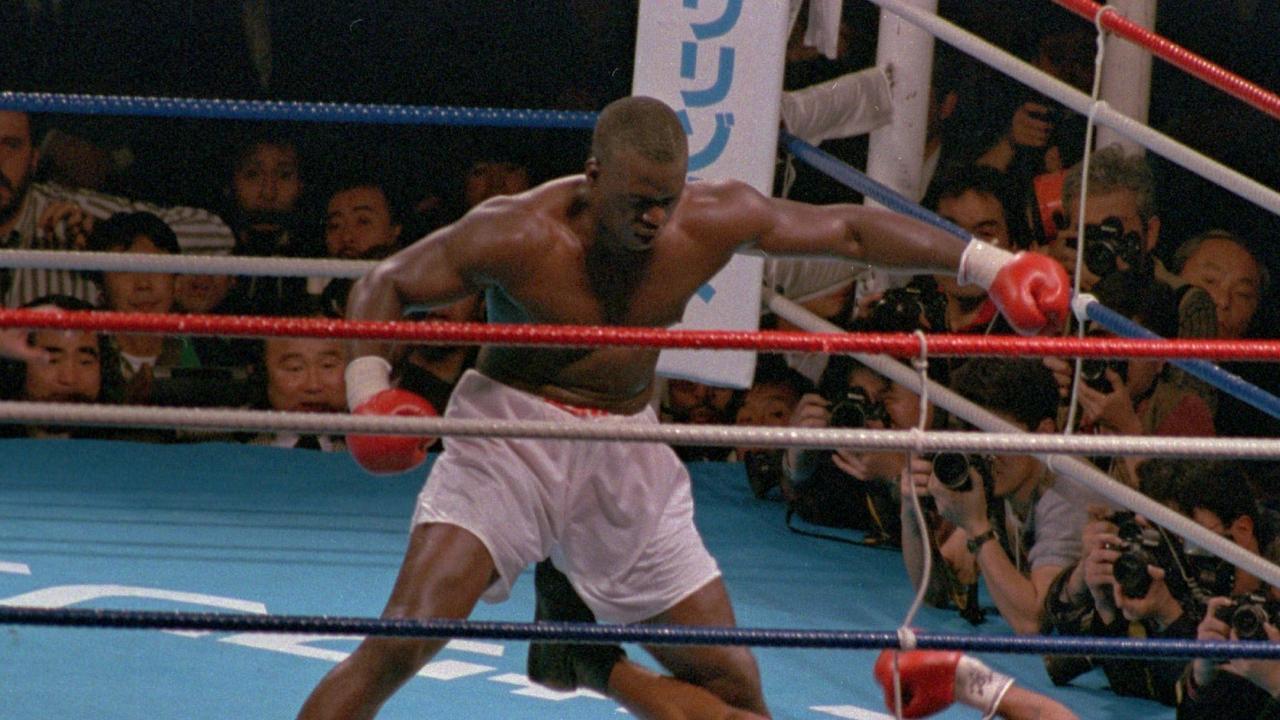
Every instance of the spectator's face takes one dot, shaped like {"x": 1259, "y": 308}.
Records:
{"x": 766, "y": 404}
{"x": 306, "y": 374}
{"x": 488, "y": 179}
{"x": 1016, "y": 473}
{"x": 200, "y": 293}
{"x": 1121, "y": 204}
{"x": 1239, "y": 532}
{"x": 139, "y": 292}
{"x": 17, "y": 161}
{"x": 1232, "y": 277}
{"x": 73, "y": 372}
{"x": 357, "y": 221}
{"x": 266, "y": 180}
{"x": 696, "y": 403}
{"x": 982, "y": 215}
{"x": 902, "y": 405}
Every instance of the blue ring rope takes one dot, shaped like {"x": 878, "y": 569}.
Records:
{"x": 221, "y": 109}
{"x": 1206, "y": 371}
{"x": 851, "y": 177}
{"x": 645, "y": 634}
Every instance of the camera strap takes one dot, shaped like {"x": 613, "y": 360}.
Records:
{"x": 879, "y": 541}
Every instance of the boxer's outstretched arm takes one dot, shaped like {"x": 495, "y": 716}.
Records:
{"x": 856, "y": 232}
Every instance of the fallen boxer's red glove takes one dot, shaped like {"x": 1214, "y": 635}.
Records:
{"x": 932, "y": 679}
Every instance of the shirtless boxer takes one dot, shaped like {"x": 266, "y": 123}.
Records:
{"x": 626, "y": 243}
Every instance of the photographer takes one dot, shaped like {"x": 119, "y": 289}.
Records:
{"x": 849, "y": 488}
{"x": 1245, "y": 689}
{"x": 1220, "y": 497}
{"x": 1035, "y": 521}
{"x": 1131, "y": 582}
{"x": 770, "y": 401}
{"x": 1138, "y": 396}
{"x": 845, "y": 488}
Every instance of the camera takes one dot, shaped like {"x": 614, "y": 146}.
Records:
{"x": 201, "y": 387}
{"x": 854, "y": 409}
{"x": 764, "y": 470}
{"x": 952, "y": 470}
{"x": 1139, "y": 547}
{"x": 1247, "y": 613}
{"x": 1093, "y": 372}
{"x": 1212, "y": 575}
{"x": 1107, "y": 242}
{"x": 907, "y": 309}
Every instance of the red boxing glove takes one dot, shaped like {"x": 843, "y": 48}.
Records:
{"x": 1031, "y": 290}
{"x": 933, "y": 679}
{"x": 388, "y": 454}
{"x": 927, "y": 677}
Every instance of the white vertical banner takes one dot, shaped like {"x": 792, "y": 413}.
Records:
{"x": 719, "y": 64}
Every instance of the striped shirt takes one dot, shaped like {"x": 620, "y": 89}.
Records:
{"x": 199, "y": 232}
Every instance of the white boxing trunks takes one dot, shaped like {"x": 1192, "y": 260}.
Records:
{"x": 615, "y": 517}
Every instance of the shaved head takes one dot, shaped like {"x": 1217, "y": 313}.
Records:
{"x": 643, "y": 125}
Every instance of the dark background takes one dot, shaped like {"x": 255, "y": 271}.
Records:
{"x": 568, "y": 54}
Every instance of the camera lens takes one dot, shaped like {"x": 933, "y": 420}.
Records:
{"x": 1100, "y": 257}
{"x": 1247, "y": 621}
{"x": 853, "y": 410}
{"x": 952, "y": 470}
{"x": 1094, "y": 373}
{"x": 1131, "y": 574}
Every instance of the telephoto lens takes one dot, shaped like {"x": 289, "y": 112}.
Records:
{"x": 952, "y": 470}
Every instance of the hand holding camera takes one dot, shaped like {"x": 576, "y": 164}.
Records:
{"x": 1249, "y": 615}
{"x": 1105, "y": 399}
{"x": 1138, "y": 547}
{"x": 962, "y": 490}
{"x": 1100, "y": 540}
{"x": 856, "y": 409}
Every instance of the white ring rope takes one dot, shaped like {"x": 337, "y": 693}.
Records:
{"x": 1159, "y": 143}
{"x": 1004, "y": 441}
{"x": 1073, "y": 401}
{"x": 905, "y": 634}
{"x": 184, "y": 264}
{"x": 1069, "y": 468}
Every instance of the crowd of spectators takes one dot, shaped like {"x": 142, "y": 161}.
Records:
{"x": 1001, "y": 162}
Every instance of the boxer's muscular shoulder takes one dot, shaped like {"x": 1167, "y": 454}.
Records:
{"x": 727, "y": 209}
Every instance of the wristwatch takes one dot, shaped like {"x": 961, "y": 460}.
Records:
{"x": 975, "y": 543}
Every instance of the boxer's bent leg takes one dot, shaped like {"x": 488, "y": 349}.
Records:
{"x": 729, "y": 672}
{"x": 445, "y": 570}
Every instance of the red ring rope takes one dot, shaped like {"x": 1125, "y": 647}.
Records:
{"x": 1178, "y": 56}
{"x": 900, "y": 345}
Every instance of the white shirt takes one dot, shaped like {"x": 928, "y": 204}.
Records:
{"x": 199, "y": 232}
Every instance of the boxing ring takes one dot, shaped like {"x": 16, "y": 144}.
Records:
{"x": 252, "y": 530}
{"x": 260, "y": 567}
